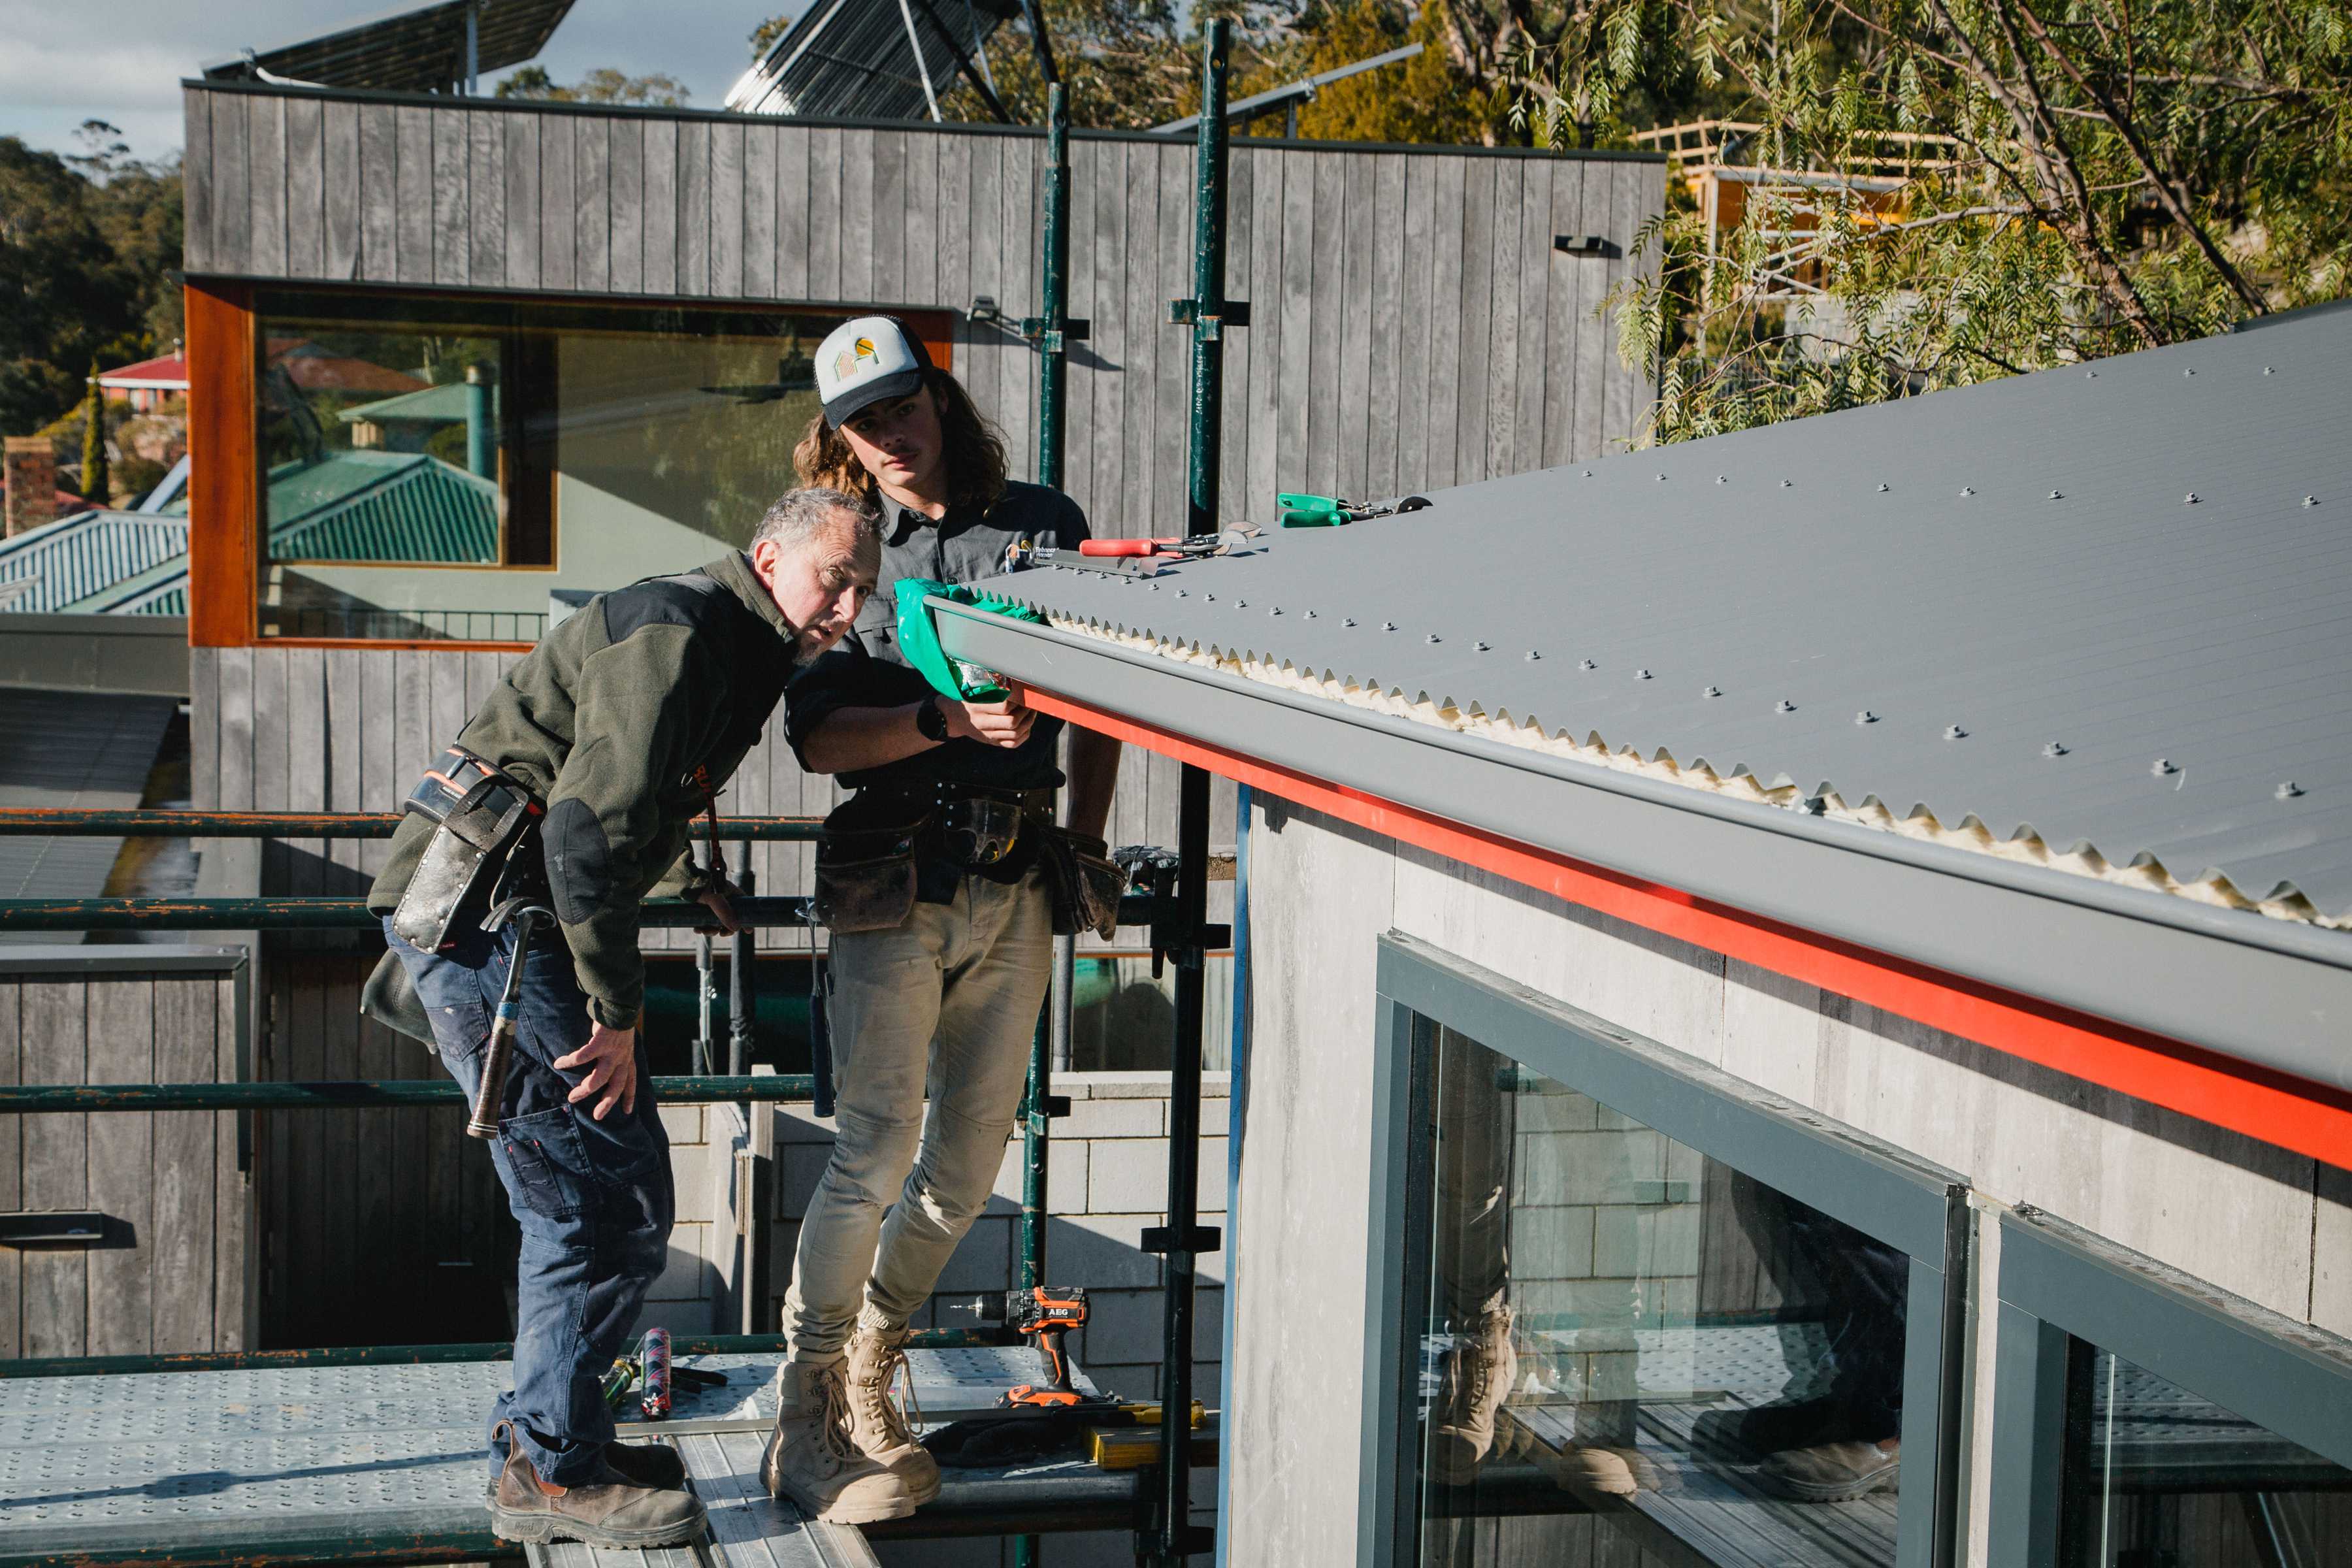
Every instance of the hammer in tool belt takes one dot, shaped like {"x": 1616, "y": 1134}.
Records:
{"x": 526, "y": 918}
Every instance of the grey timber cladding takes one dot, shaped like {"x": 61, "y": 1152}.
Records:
{"x": 1412, "y": 326}
{"x": 2098, "y": 610}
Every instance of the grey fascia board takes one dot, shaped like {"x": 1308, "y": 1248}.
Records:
{"x": 2268, "y": 992}
{"x": 118, "y": 958}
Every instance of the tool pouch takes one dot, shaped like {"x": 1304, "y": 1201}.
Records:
{"x": 1085, "y": 885}
{"x": 390, "y": 998}
{"x": 865, "y": 876}
{"x": 479, "y": 815}
{"x": 977, "y": 830}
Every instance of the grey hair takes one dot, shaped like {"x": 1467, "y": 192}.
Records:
{"x": 799, "y": 516}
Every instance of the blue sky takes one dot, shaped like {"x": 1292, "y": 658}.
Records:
{"x": 66, "y": 62}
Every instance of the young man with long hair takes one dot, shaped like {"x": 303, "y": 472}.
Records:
{"x": 941, "y": 917}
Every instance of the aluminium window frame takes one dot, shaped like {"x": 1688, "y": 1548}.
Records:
{"x": 2057, "y": 1282}
{"x": 1865, "y": 1182}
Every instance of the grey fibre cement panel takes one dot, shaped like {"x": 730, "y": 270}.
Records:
{"x": 1905, "y": 560}
{"x": 2141, "y": 959}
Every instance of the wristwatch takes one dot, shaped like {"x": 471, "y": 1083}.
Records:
{"x": 931, "y": 719}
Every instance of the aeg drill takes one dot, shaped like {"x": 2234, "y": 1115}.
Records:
{"x": 1048, "y": 1312}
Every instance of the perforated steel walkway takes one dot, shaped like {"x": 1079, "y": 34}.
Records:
{"x": 333, "y": 1462}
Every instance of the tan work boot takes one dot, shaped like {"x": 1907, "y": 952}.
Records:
{"x": 876, "y": 1425}
{"x": 611, "y": 1510}
{"x": 811, "y": 1461}
{"x": 1479, "y": 1371}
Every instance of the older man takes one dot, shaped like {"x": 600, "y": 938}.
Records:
{"x": 600, "y": 749}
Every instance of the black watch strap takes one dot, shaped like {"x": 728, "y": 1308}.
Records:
{"x": 931, "y": 719}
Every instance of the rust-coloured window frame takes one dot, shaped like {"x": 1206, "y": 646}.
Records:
{"x": 225, "y": 445}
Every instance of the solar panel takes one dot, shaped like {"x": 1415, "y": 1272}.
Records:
{"x": 423, "y": 50}
{"x": 854, "y": 59}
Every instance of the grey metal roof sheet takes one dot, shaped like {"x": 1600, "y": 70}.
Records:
{"x": 417, "y": 50}
{"x": 853, "y": 57}
{"x": 64, "y": 563}
{"x": 2148, "y": 558}
{"x": 66, "y": 749}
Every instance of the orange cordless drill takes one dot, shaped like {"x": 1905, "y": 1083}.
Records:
{"x": 1048, "y": 1312}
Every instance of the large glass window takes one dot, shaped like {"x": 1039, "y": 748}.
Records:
{"x": 2154, "y": 1474}
{"x": 1643, "y": 1343}
{"x": 454, "y": 469}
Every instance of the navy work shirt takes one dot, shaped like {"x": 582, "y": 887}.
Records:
{"x": 867, "y": 669}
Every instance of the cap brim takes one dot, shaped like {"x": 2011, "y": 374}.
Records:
{"x": 866, "y": 394}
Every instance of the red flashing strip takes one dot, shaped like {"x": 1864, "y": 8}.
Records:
{"x": 2271, "y": 1107}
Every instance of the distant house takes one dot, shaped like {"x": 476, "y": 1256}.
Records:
{"x": 146, "y": 384}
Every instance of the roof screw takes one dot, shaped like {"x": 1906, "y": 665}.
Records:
{"x": 1212, "y": 598}
{"x": 1641, "y": 675}
{"x": 2311, "y": 500}
{"x": 1786, "y": 484}
{"x": 1967, "y": 490}
{"x": 1431, "y": 638}
{"x": 1586, "y": 664}
{"x": 1721, "y": 480}
{"x": 1533, "y": 657}
{"x": 2161, "y": 767}
{"x": 1241, "y": 604}
{"x": 1588, "y": 473}
{"x": 1661, "y": 479}
{"x": 2267, "y": 370}
{"x": 1882, "y": 490}
{"x": 2090, "y": 375}
{"x": 1712, "y": 691}
{"x": 2053, "y": 749}
{"x": 1954, "y": 732}
{"x": 2289, "y": 789}
{"x": 1388, "y": 626}
{"x": 1310, "y": 615}
{"x": 1347, "y": 621}
{"x": 2190, "y": 372}
{"x": 1865, "y": 717}
{"x": 2055, "y": 496}
{"x": 1276, "y": 610}
{"x": 1481, "y": 648}
{"x": 1784, "y": 706}
{"x": 2189, "y": 500}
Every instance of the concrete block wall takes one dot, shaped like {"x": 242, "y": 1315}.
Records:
{"x": 1106, "y": 1180}
{"x": 684, "y": 1298}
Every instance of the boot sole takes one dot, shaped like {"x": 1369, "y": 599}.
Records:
{"x": 839, "y": 1512}
{"x": 540, "y": 1529}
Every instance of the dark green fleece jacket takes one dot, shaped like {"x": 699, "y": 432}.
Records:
{"x": 609, "y": 721}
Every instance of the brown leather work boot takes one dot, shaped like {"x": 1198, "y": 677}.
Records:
{"x": 646, "y": 1464}
{"x": 876, "y": 1425}
{"x": 1479, "y": 1371}
{"x": 811, "y": 1460}
{"x": 611, "y": 1510}
{"x": 1834, "y": 1472}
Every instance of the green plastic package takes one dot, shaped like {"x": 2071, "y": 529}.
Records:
{"x": 919, "y": 639}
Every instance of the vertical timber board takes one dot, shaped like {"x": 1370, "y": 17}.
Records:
{"x": 822, "y": 211}
{"x": 726, "y": 210}
{"x": 1560, "y": 323}
{"x": 486, "y": 198}
{"x": 236, "y": 745}
{"x": 350, "y": 1254}
{"x": 379, "y": 192}
{"x": 521, "y": 179}
{"x": 1591, "y": 287}
{"x": 1241, "y": 347}
{"x": 121, "y": 1279}
{"x": 270, "y": 758}
{"x": 375, "y": 738}
{"x": 204, "y": 730}
{"x": 1267, "y": 310}
{"x": 195, "y": 248}
{"x": 1079, "y": 373}
{"x": 186, "y": 1235}
{"x": 693, "y": 207}
{"x": 1353, "y": 392}
{"x": 266, "y": 190}
{"x": 310, "y": 724}
{"x": 1418, "y": 266}
{"x": 558, "y": 238}
{"x": 1531, "y": 263}
{"x": 592, "y": 205}
{"x": 661, "y": 206}
{"x": 11, "y": 1179}
{"x": 1125, "y": 315}
{"x": 1385, "y": 240}
{"x": 339, "y": 153}
{"x": 236, "y": 1249}
{"x": 232, "y": 216}
{"x": 453, "y": 206}
{"x": 1020, "y": 221}
{"x": 759, "y": 210}
{"x": 306, "y": 168}
{"x": 345, "y": 731}
{"x": 858, "y": 196}
{"x": 1640, "y": 195}
{"x": 795, "y": 145}
{"x": 627, "y": 156}
{"x": 1295, "y": 384}
{"x": 1447, "y": 244}
{"x": 1500, "y": 386}
{"x": 411, "y": 260}
{"x": 54, "y": 1048}
{"x": 919, "y": 229}
{"x": 1159, "y": 377}
{"x": 1325, "y": 278}
{"x": 887, "y": 216}
{"x": 1472, "y": 389}
{"x": 953, "y": 269}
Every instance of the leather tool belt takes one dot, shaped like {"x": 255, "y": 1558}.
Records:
{"x": 480, "y": 814}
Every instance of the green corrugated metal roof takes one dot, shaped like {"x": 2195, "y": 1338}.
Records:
{"x": 381, "y": 507}
{"x": 443, "y": 405}
{"x": 66, "y": 562}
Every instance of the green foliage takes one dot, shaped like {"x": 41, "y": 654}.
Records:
{"x": 2115, "y": 176}
{"x": 86, "y": 245}
{"x": 1425, "y": 98}
{"x": 603, "y": 84}
{"x": 94, "y": 484}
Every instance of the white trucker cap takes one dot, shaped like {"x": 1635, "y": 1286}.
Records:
{"x": 865, "y": 362}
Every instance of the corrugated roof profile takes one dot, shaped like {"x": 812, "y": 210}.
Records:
{"x": 63, "y": 563}
{"x": 2094, "y": 621}
{"x": 381, "y": 507}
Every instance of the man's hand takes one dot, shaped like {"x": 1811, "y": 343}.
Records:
{"x": 719, "y": 899}
{"x": 1001, "y": 724}
{"x": 611, "y": 1057}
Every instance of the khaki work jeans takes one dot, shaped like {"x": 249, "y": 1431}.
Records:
{"x": 947, "y": 1003}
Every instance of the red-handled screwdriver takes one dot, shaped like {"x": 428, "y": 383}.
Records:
{"x": 1125, "y": 546}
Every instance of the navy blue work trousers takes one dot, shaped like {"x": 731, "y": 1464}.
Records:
{"x": 594, "y": 1199}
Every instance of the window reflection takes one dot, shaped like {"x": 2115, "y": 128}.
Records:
{"x": 437, "y": 469}
{"x": 2157, "y": 1475}
{"x": 1629, "y": 1344}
